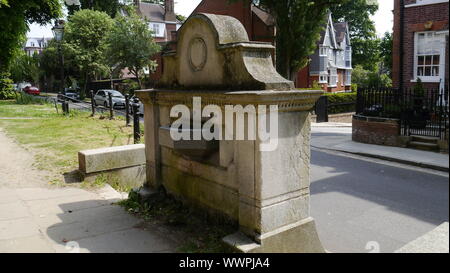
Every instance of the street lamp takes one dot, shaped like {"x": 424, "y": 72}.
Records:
{"x": 58, "y": 33}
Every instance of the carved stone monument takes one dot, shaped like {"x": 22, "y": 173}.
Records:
{"x": 265, "y": 191}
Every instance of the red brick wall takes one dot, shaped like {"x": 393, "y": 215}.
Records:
{"x": 415, "y": 19}
{"x": 240, "y": 10}
{"x": 376, "y": 131}
{"x": 257, "y": 30}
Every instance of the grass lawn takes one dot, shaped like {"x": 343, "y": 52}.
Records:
{"x": 56, "y": 139}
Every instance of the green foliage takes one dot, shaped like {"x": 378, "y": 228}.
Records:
{"x": 369, "y": 79}
{"x": 111, "y": 7}
{"x": 203, "y": 234}
{"x": 25, "y": 68}
{"x": 14, "y": 17}
{"x": 418, "y": 89}
{"x": 365, "y": 44}
{"x": 341, "y": 102}
{"x": 85, "y": 42}
{"x": 299, "y": 23}
{"x": 131, "y": 45}
{"x": 6, "y": 87}
{"x": 25, "y": 99}
{"x": 386, "y": 46}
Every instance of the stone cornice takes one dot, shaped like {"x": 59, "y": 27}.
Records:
{"x": 286, "y": 101}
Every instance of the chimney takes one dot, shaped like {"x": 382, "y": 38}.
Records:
{"x": 170, "y": 11}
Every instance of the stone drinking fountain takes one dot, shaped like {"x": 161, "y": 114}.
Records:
{"x": 265, "y": 191}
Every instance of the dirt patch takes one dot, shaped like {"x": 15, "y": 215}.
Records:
{"x": 16, "y": 166}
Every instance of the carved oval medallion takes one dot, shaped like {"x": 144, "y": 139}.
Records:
{"x": 198, "y": 54}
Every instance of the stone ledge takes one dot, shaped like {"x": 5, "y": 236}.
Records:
{"x": 105, "y": 159}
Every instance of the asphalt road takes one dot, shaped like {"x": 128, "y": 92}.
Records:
{"x": 364, "y": 205}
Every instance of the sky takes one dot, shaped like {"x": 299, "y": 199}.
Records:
{"x": 383, "y": 18}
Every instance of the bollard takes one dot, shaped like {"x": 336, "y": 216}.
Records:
{"x": 111, "y": 107}
{"x": 92, "y": 103}
{"x": 56, "y": 105}
{"x": 136, "y": 124}
{"x": 127, "y": 110}
{"x": 67, "y": 107}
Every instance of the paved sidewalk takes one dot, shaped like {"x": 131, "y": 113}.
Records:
{"x": 436, "y": 241}
{"x": 35, "y": 217}
{"x": 338, "y": 137}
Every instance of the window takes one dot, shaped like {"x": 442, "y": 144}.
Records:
{"x": 333, "y": 79}
{"x": 428, "y": 60}
{"x": 348, "y": 56}
{"x": 348, "y": 77}
{"x": 323, "y": 51}
{"x": 323, "y": 79}
{"x": 158, "y": 29}
{"x": 425, "y": 2}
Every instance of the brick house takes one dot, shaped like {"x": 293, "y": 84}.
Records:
{"x": 420, "y": 43}
{"x": 332, "y": 69}
{"x": 163, "y": 22}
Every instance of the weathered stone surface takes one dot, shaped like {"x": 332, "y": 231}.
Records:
{"x": 132, "y": 177}
{"x": 98, "y": 160}
{"x": 300, "y": 237}
{"x": 213, "y": 51}
{"x": 267, "y": 193}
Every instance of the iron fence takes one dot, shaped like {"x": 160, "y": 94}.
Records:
{"x": 421, "y": 112}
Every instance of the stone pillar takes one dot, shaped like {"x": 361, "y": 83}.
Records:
{"x": 152, "y": 147}
{"x": 274, "y": 191}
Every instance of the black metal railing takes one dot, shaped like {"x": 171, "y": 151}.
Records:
{"x": 421, "y": 112}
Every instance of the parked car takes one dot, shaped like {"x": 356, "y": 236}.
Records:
{"x": 102, "y": 98}
{"x": 31, "y": 90}
{"x": 141, "y": 105}
{"x": 70, "y": 95}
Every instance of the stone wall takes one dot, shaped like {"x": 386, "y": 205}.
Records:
{"x": 379, "y": 131}
{"x": 338, "y": 118}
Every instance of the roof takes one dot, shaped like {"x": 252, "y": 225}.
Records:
{"x": 341, "y": 31}
{"x": 38, "y": 42}
{"x": 152, "y": 12}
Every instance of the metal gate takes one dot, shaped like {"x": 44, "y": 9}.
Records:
{"x": 425, "y": 115}
{"x": 322, "y": 109}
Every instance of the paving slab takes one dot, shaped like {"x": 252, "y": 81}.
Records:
{"x": 126, "y": 241}
{"x": 13, "y": 210}
{"x": 18, "y": 228}
{"x": 32, "y": 244}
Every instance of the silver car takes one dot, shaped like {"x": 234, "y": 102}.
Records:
{"x": 102, "y": 98}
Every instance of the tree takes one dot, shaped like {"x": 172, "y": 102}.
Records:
{"x": 85, "y": 41}
{"x": 299, "y": 23}
{"x": 25, "y": 68}
{"x": 111, "y": 7}
{"x": 386, "y": 46}
{"x": 131, "y": 45}
{"x": 370, "y": 79}
{"x": 365, "y": 43}
{"x": 14, "y": 19}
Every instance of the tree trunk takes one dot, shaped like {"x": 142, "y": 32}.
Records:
{"x": 86, "y": 80}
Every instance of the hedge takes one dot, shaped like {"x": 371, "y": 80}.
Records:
{"x": 341, "y": 102}
{"x": 6, "y": 88}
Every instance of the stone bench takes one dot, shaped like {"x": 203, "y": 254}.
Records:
{"x": 122, "y": 165}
